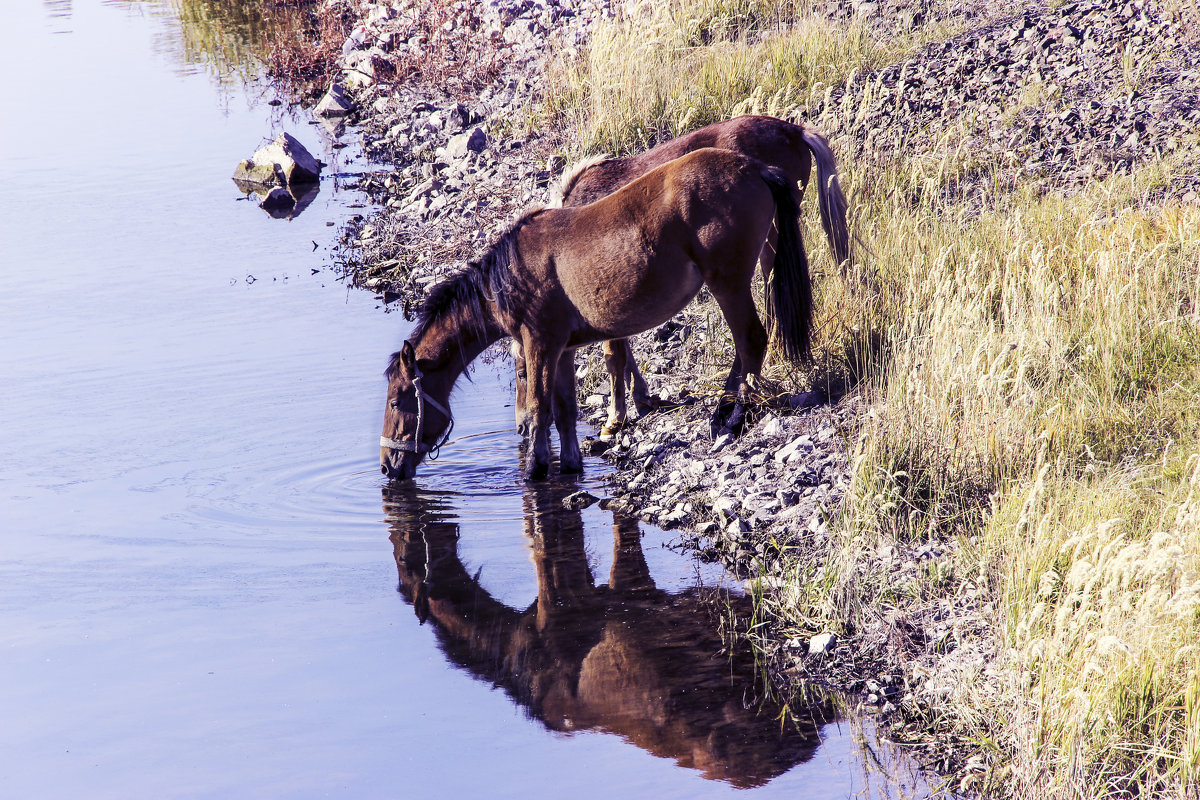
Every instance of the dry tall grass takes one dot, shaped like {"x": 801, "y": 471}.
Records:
{"x": 667, "y": 68}
{"x": 1033, "y": 369}
{"x": 1038, "y": 387}
{"x": 297, "y": 42}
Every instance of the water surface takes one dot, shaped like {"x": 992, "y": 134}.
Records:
{"x": 205, "y": 588}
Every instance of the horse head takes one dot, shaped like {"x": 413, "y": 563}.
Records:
{"x": 414, "y": 421}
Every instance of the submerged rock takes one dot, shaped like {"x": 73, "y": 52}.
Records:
{"x": 279, "y": 201}
{"x": 578, "y": 500}
{"x": 284, "y": 162}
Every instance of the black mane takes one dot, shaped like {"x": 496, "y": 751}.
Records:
{"x": 464, "y": 295}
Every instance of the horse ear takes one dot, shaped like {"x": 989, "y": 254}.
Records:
{"x": 408, "y": 356}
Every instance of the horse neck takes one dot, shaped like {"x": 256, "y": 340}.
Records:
{"x": 452, "y": 347}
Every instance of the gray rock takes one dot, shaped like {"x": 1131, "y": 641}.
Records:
{"x": 335, "y": 103}
{"x": 721, "y": 441}
{"x": 460, "y": 117}
{"x": 248, "y": 175}
{"x": 473, "y": 141}
{"x": 822, "y": 643}
{"x": 284, "y": 162}
{"x": 773, "y": 427}
{"x": 801, "y": 444}
{"x": 725, "y": 508}
{"x": 593, "y": 447}
{"x": 578, "y": 500}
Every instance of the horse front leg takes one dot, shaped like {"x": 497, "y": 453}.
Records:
{"x": 542, "y": 368}
{"x": 524, "y": 423}
{"x": 566, "y": 412}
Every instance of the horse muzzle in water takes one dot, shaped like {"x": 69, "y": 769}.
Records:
{"x": 399, "y": 457}
{"x": 398, "y": 465}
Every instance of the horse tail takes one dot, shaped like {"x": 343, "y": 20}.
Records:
{"x": 830, "y": 199}
{"x": 789, "y": 295}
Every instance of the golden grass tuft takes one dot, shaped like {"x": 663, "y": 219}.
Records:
{"x": 1037, "y": 385}
{"x": 666, "y": 68}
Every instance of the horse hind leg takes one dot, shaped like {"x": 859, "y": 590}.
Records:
{"x": 615, "y": 354}
{"x": 622, "y": 369}
{"x": 750, "y": 342}
{"x": 637, "y": 384}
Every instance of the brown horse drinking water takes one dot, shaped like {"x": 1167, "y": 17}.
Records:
{"x": 792, "y": 148}
{"x": 563, "y": 278}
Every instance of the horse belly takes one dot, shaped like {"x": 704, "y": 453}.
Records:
{"x": 619, "y": 304}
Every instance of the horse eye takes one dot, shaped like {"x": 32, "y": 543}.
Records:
{"x": 394, "y": 404}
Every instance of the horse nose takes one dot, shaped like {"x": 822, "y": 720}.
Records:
{"x": 388, "y": 462}
{"x": 391, "y": 463}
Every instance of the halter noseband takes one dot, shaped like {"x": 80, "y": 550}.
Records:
{"x": 416, "y": 445}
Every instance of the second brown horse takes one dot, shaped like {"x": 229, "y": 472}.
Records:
{"x": 563, "y": 278}
{"x": 795, "y": 149}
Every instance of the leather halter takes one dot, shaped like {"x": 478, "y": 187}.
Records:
{"x": 416, "y": 445}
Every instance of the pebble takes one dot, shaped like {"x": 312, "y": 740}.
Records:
{"x": 822, "y": 643}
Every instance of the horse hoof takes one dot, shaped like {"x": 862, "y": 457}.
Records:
{"x": 737, "y": 420}
{"x": 538, "y": 472}
{"x": 721, "y": 417}
{"x": 609, "y": 430}
{"x": 646, "y": 403}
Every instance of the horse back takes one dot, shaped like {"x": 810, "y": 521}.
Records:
{"x": 767, "y": 139}
{"x": 631, "y": 260}
{"x": 687, "y": 194}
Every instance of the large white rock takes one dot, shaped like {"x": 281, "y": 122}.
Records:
{"x": 822, "y": 643}
{"x": 283, "y": 162}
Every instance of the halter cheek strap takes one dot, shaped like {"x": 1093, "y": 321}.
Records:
{"x": 416, "y": 445}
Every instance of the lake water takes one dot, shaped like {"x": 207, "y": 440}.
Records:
{"x": 206, "y": 590}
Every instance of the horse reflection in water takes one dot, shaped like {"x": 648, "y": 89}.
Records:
{"x": 626, "y": 658}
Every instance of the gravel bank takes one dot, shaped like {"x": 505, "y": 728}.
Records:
{"x": 1061, "y": 96}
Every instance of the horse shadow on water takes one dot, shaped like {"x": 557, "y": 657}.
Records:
{"x": 626, "y": 658}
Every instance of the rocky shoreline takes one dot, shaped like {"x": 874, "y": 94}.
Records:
{"x": 462, "y": 166}
{"x": 1036, "y": 93}
{"x": 1058, "y": 96}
